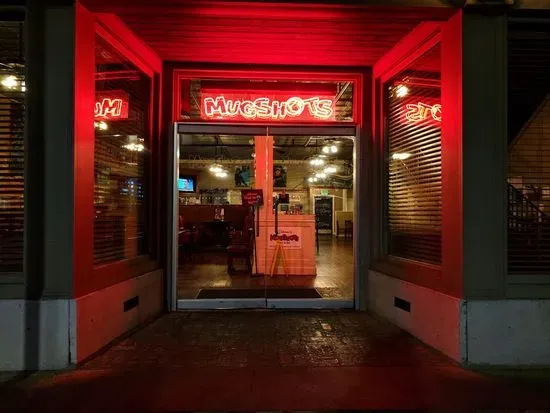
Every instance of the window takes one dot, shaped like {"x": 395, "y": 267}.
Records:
{"x": 265, "y": 101}
{"x": 122, "y": 135}
{"x": 414, "y": 116}
{"x": 529, "y": 149}
{"x": 12, "y": 121}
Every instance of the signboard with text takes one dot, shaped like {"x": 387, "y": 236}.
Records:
{"x": 252, "y": 197}
{"x": 111, "y": 105}
{"x": 290, "y": 238}
{"x": 268, "y": 102}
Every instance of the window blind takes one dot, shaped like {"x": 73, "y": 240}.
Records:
{"x": 529, "y": 149}
{"x": 121, "y": 158}
{"x": 12, "y": 122}
{"x": 413, "y": 116}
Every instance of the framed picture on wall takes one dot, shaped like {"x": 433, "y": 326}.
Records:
{"x": 279, "y": 176}
{"x": 242, "y": 176}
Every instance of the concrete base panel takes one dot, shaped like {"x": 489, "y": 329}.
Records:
{"x": 508, "y": 332}
{"x": 106, "y": 314}
{"x": 429, "y": 315}
{"x": 36, "y": 334}
{"x": 503, "y": 333}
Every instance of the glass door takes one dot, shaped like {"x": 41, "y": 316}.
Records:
{"x": 217, "y": 223}
{"x": 264, "y": 217}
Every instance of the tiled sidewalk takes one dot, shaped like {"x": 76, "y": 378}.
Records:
{"x": 247, "y": 361}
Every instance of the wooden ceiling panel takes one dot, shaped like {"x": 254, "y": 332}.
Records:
{"x": 276, "y": 34}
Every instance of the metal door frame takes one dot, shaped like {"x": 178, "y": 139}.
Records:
{"x": 172, "y": 243}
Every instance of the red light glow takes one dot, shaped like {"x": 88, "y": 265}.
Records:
{"x": 111, "y": 105}
{"x": 417, "y": 112}
{"x": 271, "y": 107}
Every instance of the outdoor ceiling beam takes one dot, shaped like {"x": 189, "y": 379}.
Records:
{"x": 243, "y": 145}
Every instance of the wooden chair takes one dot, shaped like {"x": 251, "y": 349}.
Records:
{"x": 348, "y": 229}
{"x": 241, "y": 246}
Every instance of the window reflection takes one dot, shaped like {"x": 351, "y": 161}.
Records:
{"x": 121, "y": 157}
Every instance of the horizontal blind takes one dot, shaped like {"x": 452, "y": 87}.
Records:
{"x": 414, "y": 166}
{"x": 121, "y": 162}
{"x": 529, "y": 150}
{"x": 12, "y": 122}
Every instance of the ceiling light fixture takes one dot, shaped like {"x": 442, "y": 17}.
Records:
{"x": 401, "y": 91}
{"x": 9, "y": 82}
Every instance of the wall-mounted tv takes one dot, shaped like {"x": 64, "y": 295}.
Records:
{"x": 187, "y": 184}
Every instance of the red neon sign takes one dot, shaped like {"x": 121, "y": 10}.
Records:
{"x": 111, "y": 105}
{"x": 417, "y": 112}
{"x": 270, "y": 106}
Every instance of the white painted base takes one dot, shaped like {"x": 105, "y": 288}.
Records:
{"x": 508, "y": 332}
{"x": 434, "y": 317}
{"x": 36, "y": 334}
{"x": 101, "y": 317}
{"x": 54, "y": 334}
{"x": 480, "y": 332}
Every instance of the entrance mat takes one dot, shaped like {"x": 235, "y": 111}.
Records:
{"x": 219, "y": 293}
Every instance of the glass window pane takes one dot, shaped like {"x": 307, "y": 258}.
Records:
{"x": 12, "y": 121}
{"x": 414, "y": 116}
{"x": 121, "y": 157}
{"x": 266, "y": 101}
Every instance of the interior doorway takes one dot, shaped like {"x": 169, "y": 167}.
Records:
{"x": 229, "y": 253}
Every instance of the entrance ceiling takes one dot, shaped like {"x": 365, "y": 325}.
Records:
{"x": 268, "y": 33}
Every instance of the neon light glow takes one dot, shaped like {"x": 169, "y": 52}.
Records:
{"x": 273, "y": 107}
{"x": 420, "y": 111}
{"x": 111, "y": 105}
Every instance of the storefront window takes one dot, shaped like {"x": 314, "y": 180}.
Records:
{"x": 266, "y": 101}
{"x": 122, "y": 132}
{"x": 529, "y": 149}
{"x": 414, "y": 116}
{"x": 12, "y": 121}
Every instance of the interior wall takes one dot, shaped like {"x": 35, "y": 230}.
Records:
{"x": 295, "y": 187}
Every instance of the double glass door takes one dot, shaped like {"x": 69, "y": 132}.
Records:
{"x": 245, "y": 224}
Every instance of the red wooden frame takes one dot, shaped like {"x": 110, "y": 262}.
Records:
{"x": 447, "y": 277}
{"x": 89, "y": 278}
{"x": 228, "y": 74}
{"x": 423, "y": 38}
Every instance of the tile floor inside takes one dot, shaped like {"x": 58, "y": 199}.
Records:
{"x": 334, "y": 273}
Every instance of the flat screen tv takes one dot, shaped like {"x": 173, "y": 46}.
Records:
{"x": 187, "y": 184}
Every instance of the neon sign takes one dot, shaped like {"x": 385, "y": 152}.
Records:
{"x": 420, "y": 111}
{"x": 111, "y": 105}
{"x": 270, "y": 107}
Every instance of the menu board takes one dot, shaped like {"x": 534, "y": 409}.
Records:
{"x": 323, "y": 212}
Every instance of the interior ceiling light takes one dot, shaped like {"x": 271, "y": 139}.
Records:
{"x": 320, "y": 175}
{"x": 135, "y": 147}
{"x": 330, "y": 170}
{"x": 333, "y": 148}
{"x": 317, "y": 162}
{"x": 400, "y": 156}
{"x": 9, "y": 82}
{"x": 311, "y": 179}
{"x": 101, "y": 125}
{"x": 215, "y": 169}
{"x": 221, "y": 174}
{"x": 401, "y": 91}
{"x": 326, "y": 149}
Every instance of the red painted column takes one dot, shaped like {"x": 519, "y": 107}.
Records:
{"x": 264, "y": 181}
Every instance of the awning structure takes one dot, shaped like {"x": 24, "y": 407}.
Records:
{"x": 275, "y": 33}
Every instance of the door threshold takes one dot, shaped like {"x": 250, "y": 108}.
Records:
{"x": 270, "y": 304}
{"x": 309, "y": 304}
{"x": 220, "y": 303}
